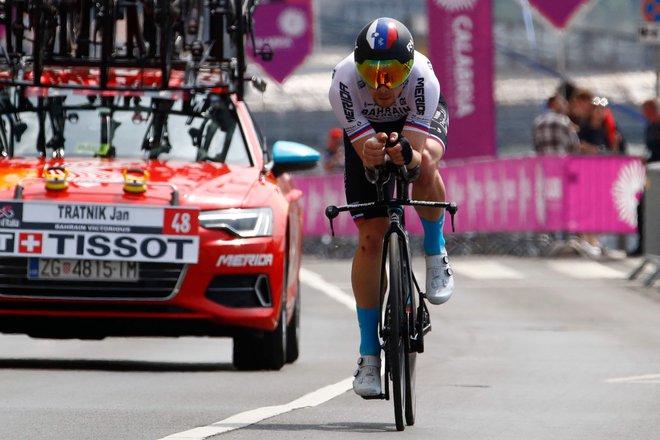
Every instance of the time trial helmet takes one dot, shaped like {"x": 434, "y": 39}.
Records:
{"x": 384, "y": 53}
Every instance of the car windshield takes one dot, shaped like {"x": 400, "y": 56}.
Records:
{"x": 71, "y": 124}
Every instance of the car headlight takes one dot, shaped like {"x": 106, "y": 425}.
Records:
{"x": 250, "y": 222}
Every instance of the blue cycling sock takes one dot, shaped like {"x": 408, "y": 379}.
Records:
{"x": 434, "y": 240}
{"x": 368, "y": 321}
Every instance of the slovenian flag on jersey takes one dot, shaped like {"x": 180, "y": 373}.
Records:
{"x": 381, "y": 34}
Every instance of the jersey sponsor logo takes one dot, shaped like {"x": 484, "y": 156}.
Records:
{"x": 243, "y": 260}
{"x": 382, "y": 34}
{"x": 346, "y": 102}
{"x": 419, "y": 96}
{"x": 375, "y": 112}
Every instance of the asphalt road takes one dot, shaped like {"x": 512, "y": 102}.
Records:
{"x": 526, "y": 349}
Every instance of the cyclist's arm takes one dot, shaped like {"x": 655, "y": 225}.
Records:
{"x": 424, "y": 91}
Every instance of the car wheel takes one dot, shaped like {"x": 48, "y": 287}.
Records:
{"x": 264, "y": 352}
{"x": 293, "y": 332}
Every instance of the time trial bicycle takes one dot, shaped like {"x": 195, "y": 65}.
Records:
{"x": 405, "y": 317}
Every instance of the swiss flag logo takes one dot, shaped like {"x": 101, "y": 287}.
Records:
{"x": 30, "y": 243}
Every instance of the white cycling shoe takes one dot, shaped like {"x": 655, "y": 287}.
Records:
{"x": 367, "y": 377}
{"x": 439, "y": 279}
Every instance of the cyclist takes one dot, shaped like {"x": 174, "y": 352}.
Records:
{"x": 387, "y": 90}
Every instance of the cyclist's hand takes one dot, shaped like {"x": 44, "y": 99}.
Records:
{"x": 399, "y": 150}
{"x": 373, "y": 152}
{"x": 394, "y": 151}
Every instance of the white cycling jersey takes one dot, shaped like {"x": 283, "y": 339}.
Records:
{"x": 356, "y": 110}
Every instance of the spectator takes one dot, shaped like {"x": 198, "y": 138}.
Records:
{"x": 593, "y": 132}
{"x": 333, "y": 159}
{"x": 580, "y": 106}
{"x": 554, "y": 133}
{"x": 651, "y": 111}
{"x": 593, "y": 140}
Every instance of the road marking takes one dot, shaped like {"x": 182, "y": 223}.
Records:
{"x": 586, "y": 270}
{"x": 251, "y": 417}
{"x": 316, "y": 281}
{"x": 489, "y": 270}
{"x": 647, "y": 378}
{"x": 309, "y": 400}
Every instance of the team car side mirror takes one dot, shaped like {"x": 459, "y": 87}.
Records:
{"x": 292, "y": 156}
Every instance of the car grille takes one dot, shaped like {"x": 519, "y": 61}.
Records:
{"x": 157, "y": 281}
{"x": 240, "y": 291}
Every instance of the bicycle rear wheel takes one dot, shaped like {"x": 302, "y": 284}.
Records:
{"x": 396, "y": 351}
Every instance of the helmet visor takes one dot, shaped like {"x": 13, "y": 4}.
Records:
{"x": 389, "y": 73}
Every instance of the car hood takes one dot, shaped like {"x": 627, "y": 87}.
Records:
{"x": 101, "y": 180}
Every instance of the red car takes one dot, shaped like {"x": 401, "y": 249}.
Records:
{"x": 128, "y": 211}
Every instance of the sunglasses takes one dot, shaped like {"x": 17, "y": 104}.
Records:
{"x": 389, "y": 73}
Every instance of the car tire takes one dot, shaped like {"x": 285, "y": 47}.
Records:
{"x": 293, "y": 333}
{"x": 265, "y": 352}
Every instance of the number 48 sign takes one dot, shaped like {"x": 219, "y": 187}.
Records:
{"x": 181, "y": 222}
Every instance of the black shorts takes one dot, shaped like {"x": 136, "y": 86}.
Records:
{"x": 358, "y": 189}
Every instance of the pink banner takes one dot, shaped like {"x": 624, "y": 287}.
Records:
{"x": 526, "y": 194}
{"x": 559, "y": 13}
{"x": 602, "y": 194}
{"x": 287, "y": 27}
{"x": 461, "y": 50}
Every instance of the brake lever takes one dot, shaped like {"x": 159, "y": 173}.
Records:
{"x": 452, "y": 208}
{"x": 331, "y": 212}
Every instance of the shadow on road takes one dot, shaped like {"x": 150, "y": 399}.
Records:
{"x": 111, "y": 365}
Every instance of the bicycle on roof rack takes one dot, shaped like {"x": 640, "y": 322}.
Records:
{"x": 117, "y": 53}
{"x": 404, "y": 318}
{"x": 156, "y": 36}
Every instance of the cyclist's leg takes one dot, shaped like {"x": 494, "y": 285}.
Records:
{"x": 365, "y": 273}
{"x": 371, "y": 225}
{"x": 366, "y": 282}
{"x": 429, "y": 186}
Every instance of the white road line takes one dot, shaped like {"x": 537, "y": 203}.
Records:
{"x": 316, "y": 281}
{"x": 309, "y": 400}
{"x": 586, "y": 270}
{"x": 647, "y": 378}
{"x": 486, "y": 270}
{"x": 251, "y": 417}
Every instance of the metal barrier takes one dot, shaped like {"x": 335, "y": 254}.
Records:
{"x": 651, "y": 232}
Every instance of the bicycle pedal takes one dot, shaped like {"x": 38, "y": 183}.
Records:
{"x": 427, "y": 329}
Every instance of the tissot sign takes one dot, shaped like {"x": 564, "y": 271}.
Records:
{"x": 285, "y": 26}
{"x": 99, "y": 232}
{"x": 461, "y": 50}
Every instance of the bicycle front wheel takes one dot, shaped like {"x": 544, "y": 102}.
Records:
{"x": 396, "y": 349}
{"x": 409, "y": 304}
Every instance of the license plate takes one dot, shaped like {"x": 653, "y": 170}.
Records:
{"x": 82, "y": 270}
